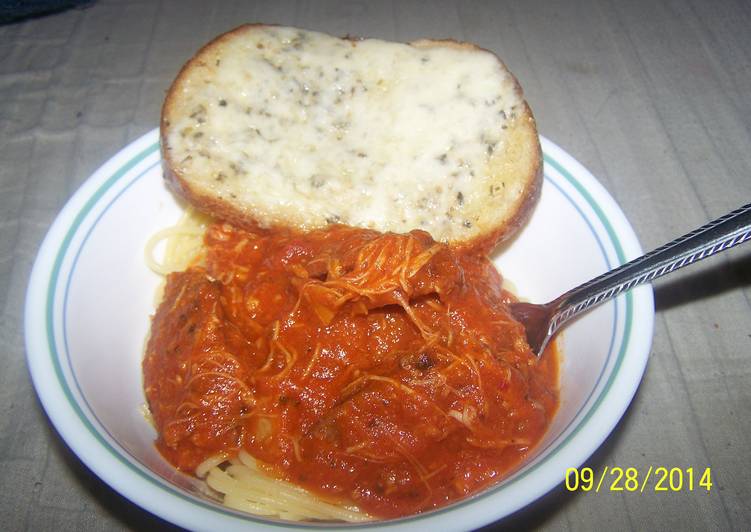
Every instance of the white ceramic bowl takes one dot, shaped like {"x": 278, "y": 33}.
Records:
{"x": 91, "y": 295}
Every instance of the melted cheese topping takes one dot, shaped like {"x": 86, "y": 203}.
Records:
{"x": 368, "y": 133}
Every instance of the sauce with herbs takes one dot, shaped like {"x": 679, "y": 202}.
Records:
{"x": 382, "y": 370}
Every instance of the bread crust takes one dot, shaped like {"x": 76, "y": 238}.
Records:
{"x": 251, "y": 219}
{"x": 177, "y": 182}
{"x": 525, "y": 205}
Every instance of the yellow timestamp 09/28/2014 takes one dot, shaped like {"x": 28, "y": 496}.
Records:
{"x": 631, "y": 479}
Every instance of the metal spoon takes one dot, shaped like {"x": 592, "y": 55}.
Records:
{"x": 542, "y": 321}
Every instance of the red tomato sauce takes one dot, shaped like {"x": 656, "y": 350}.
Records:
{"x": 376, "y": 369}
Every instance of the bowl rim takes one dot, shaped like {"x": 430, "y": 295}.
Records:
{"x": 105, "y": 458}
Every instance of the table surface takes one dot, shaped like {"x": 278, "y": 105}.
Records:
{"x": 651, "y": 96}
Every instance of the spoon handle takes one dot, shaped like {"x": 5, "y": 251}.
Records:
{"x": 717, "y": 235}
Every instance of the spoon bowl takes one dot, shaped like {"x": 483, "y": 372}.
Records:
{"x": 542, "y": 321}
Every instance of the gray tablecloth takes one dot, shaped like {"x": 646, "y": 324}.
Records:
{"x": 652, "y": 96}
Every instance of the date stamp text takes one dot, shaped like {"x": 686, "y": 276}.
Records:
{"x": 632, "y": 479}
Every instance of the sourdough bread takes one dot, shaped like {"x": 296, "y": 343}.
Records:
{"x": 272, "y": 126}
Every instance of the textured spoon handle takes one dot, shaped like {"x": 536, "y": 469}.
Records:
{"x": 718, "y": 235}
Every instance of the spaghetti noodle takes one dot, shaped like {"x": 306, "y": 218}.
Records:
{"x": 183, "y": 244}
{"x": 339, "y": 374}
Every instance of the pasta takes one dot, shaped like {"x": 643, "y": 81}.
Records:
{"x": 246, "y": 488}
{"x": 183, "y": 244}
{"x": 342, "y": 374}
{"x": 238, "y": 481}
